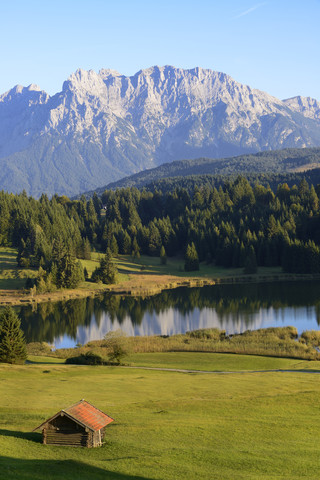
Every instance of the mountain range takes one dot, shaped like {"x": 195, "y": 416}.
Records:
{"x": 104, "y": 126}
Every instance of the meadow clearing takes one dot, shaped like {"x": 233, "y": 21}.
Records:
{"x": 168, "y": 425}
{"x": 142, "y": 276}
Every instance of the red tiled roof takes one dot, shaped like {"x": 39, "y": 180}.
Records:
{"x": 85, "y": 414}
{"x": 88, "y": 415}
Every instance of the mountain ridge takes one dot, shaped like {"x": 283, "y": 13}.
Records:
{"x": 104, "y": 126}
{"x": 286, "y": 161}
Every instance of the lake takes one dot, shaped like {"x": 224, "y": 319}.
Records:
{"x": 234, "y": 308}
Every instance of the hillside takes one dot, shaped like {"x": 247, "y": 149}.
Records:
{"x": 283, "y": 163}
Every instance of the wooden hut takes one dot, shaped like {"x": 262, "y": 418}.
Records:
{"x": 81, "y": 425}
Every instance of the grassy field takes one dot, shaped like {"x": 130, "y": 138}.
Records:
{"x": 175, "y": 266}
{"x": 167, "y": 425}
{"x": 217, "y": 362}
{"x": 138, "y": 277}
{"x": 11, "y": 276}
{"x": 211, "y": 362}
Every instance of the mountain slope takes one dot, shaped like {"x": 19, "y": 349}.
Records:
{"x": 104, "y": 126}
{"x": 288, "y": 160}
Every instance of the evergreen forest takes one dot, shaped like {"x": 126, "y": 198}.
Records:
{"x": 238, "y": 224}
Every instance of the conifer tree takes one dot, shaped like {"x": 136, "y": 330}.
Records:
{"x": 191, "y": 259}
{"x": 163, "y": 256}
{"x": 250, "y": 265}
{"x": 107, "y": 271}
{"x": 12, "y": 342}
{"x": 114, "y": 245}
{"x": 135, "y": 249}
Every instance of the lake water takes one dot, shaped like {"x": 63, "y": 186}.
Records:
{"x": 234, "y": 308}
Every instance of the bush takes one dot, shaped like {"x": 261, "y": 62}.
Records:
{"x": 208, "y": 334}
{"x": 311, "y": 337}
{"x": 39, "y": 348}
{"x": 88, "y": 358}
{"x": 278, "y": 332}
{"x": 117, "y": 345}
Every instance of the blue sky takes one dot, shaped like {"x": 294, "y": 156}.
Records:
{"x": 271, "y": 45}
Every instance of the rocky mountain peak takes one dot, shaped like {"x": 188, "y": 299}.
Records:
{"x": 309, "y": 107}
{"x": 84, "y": 82}
{"x": 106, "y": 125}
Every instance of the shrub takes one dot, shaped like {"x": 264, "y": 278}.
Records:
{"x": 117, "y": 345}
{"x": 39, "y": 348}
{"x": 208, "y": 334}
{"x": 88, "y": 358}
{"x": 311, "y": 337}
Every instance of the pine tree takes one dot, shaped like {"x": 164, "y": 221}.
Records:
{"x": 135, "y": 249}
{"x": 85, "y": 249}
{"x": 114, "y": 245}
{"x": 86, "y": 274}
{"x": 191, "y": 259}
{"x": 125, "y": 243}
{"x": 12, "y": 342}
{"x": 250, "y": 265}
{"x": 106, "y": 272}
{"x": 163, "y": 256}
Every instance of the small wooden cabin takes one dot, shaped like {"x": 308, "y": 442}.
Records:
{"x": 81, "y": 425}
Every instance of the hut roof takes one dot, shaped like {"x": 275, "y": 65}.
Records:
{"x": 85, "y": 414}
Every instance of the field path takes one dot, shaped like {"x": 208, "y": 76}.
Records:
{"x": 218, "y": 372}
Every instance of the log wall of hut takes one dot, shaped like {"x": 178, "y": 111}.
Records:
{"x": 64, "y": 431}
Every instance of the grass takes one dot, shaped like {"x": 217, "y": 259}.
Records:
{"x": 211, "y": 362}
{"x": 216, "y": 362}
{"x": 168, "y": 425}
{"x": 11, "y": 276}
{"x": 273, "y": 342}
{"x": 42, "y": 360}
{"x": 175, "y": 266}
{"x": 146, "y": 265}
{"x": 138, "y": 277}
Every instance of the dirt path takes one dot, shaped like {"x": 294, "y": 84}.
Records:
{"x": 217, "y": 372}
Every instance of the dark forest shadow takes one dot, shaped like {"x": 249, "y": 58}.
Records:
{"x": 13, "y": 468}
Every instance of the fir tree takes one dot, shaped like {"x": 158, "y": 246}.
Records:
{"x": 86, "y": 274}
{"x": 250, "y": 265}
{"x": 191, "y": 259}
{"x": 114, "y": 245}
{"x": 107, "y": 272}
{"x": 163, "y": 256}
{"x": 12, "y": 342}
{"x": 135, "y": 249}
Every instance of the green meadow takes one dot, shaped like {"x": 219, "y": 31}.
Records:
{"x": 168, "y": 425}
{"x": 174, "y": 266}
{"x": 11, "y": 276}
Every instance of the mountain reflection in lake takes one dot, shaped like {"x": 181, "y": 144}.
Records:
{"x": 234, "y": 308}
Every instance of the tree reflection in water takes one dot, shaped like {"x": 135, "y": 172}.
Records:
{"x": 49, "y": 321}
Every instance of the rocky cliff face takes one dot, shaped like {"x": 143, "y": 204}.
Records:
{"x": 103, "y": 126}
{"x": 309, "y": 107}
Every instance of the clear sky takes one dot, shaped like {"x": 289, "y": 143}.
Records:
{"x": 272, "y": 45}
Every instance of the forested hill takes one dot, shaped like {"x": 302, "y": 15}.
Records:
{"x": 236, "y": 225}
{"x": 276, "y": 161}
{"x": 191, "y": 183}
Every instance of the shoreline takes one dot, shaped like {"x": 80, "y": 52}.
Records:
{"x": 142, "y": 285}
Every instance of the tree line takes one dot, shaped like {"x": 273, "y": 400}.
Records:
{"x": 235, "y": 225}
